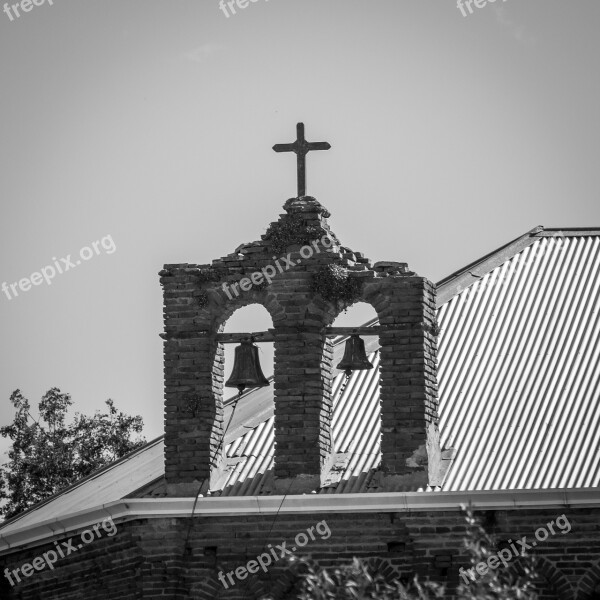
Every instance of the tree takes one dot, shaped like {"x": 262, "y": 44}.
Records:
{"x": 355, "y": 581}
{"x": 515, "y": 582}
{"x": 48, "y": 455}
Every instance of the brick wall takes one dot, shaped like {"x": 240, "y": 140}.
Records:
{"x": 108, "y": 567}
{"x": 150, "y": 559}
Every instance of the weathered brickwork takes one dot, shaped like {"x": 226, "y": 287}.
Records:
{"x": 196, "y": 307}
{"x": 150, "y": 558}
{"x": 109, "y": 567}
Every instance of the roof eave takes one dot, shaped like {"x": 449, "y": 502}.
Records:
{"x": 160, "y": 508}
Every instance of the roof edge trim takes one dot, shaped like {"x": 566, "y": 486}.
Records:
{"x": 569, "y": 232}
{"x": 154, "y": 508}
{"x": 455, "y": 283}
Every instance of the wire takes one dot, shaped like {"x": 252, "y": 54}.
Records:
{"x": 189, "y": 531}
{"x": 278, "y": 511}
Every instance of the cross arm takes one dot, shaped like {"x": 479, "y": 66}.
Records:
{"x": 319, "y": 146}
{"x": 284, "y": 147}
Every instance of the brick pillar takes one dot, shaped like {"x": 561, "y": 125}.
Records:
{"x": 410, "y": 438}
{"x": 303, "y": 361}
{"x": 193, "y": 400}
{"x": 303, "y": 366}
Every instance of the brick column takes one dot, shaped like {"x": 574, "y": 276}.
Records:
{"x": 193, "y": 400}
{"x": 303, "y": 365}
{"x": 410, "y": 438}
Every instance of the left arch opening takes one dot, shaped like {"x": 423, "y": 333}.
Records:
{"x": 248, "y": 319}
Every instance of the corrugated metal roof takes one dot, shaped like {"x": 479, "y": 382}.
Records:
{"x": 519, "y": 371}
{"x": 519, "y": 382}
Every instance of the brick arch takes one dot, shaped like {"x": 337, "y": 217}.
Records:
{"x": 383, "y": 567}
{"x": 215, "y": 320}
{"x": 589, "y": 583}
{"x": 555, "y": 584}
{"x": 335, "y": 311}
{"x": 284, "y": 585}
{"x": 376, "y": 292}
{"x": 555, "y": 578}
{"x": 212, "y": 589}
{"x": 207, "y": 589}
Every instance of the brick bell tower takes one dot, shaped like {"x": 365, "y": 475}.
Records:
{"x": 304, "y": 277}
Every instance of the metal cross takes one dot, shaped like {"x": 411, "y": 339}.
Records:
{"x": 301, "y": 147}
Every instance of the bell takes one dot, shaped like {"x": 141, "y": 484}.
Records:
{"x": 246, "y": 371}
{"x": 355, "y": 357}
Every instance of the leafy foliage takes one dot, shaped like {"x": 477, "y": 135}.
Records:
{"x": 49, "y": 455}
{"x": 356, "y": 581}
{"x": 202, "y": 299}
{"x": 501, "y": 583}
{"x": 289, "y": 231}
{"x": 209, "y": 274}
{"x": 333, "y": 283}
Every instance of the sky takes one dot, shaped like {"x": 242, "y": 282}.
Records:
{"x": 146, "y": 128}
